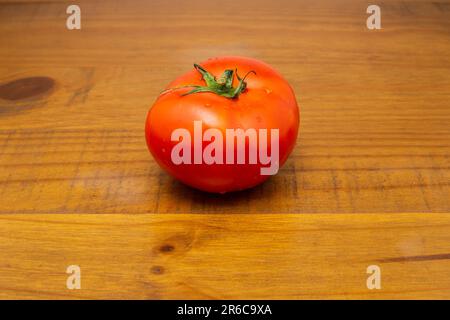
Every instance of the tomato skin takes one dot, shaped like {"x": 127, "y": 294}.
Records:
{"x": 267, "y": 103}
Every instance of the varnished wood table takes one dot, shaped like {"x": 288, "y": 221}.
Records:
{"x": 368, "y": 182}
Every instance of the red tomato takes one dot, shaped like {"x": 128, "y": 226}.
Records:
{"x": 264, "y": 100}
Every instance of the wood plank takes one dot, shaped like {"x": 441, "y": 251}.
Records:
{"x": 374, "y": 133}
{"x": 111, "y": 171}
{"x": 225, "y": 256}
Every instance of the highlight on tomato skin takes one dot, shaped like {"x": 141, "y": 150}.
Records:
{"x": 226, "y": 125}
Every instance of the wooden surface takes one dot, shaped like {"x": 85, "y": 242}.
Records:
{"x": 225, "y": 256}
{"x": 368, "y": 182}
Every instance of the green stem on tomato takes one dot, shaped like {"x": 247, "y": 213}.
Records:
{"x": 222, "y": 86}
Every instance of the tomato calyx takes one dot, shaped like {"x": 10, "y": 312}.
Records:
{"x": 223, "y": 86}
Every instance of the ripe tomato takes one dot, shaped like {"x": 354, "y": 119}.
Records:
{"x": 263, "y": 100}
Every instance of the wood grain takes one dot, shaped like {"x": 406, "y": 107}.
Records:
{"x": 374, "y": 105}
{"x": 223, "y": 256}
{"x": 368, "y": 182}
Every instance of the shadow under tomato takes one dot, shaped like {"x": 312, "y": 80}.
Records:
{"x": 263, "y": 198}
